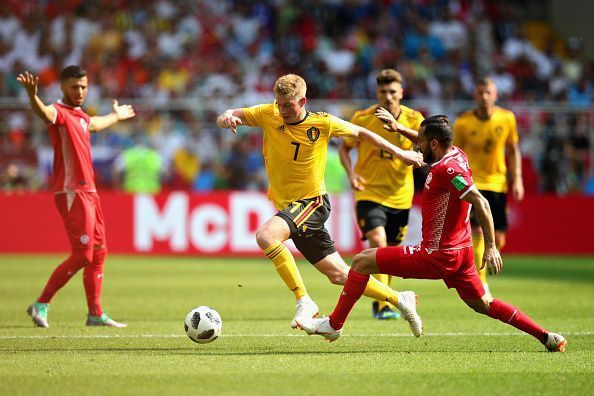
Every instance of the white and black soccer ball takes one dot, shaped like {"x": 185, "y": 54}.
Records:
{"x": 203, "y": 324}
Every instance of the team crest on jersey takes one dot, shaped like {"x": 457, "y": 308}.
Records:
{"x": 313, "y": 134}
{"x": 84, "y": 239}
{"x": 498, "y": 130}
{"x": 83, "y": 124}
{"x": 429, "y": 178}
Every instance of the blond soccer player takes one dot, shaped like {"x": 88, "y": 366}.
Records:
{"x": 488, "y": 134}
{"x": 295, "y": 149}
{"x": 382, "y": 183}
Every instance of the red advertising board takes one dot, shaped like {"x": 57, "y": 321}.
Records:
{"x": 225, "y": 223}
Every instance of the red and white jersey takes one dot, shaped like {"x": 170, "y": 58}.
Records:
{"x": 71, "y": 139}
{"x": 446, "y": 215}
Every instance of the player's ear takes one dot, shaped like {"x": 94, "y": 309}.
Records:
{"x": 302, "y": 101}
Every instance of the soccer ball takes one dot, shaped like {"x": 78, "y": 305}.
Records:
{"x": 203, "y": 324}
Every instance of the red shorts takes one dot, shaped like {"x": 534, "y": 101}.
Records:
{"x": 455, "y": 267}
{"x": 83, "y": 218}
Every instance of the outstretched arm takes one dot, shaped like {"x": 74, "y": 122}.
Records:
{"x": 29, "y": 82}
{"x": 491, "y": 257}
{"x": 231, "y": 119}
{"x": 119, "y": 113}
{"x": 394, "y": 126}
{"x": 406, "y": 156}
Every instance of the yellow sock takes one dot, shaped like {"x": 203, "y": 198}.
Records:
{"x": 284, "y": 262}
{"x": 381, "y": 292}
{"x": 478, "y": 246}
{"x": 385, "y": 279}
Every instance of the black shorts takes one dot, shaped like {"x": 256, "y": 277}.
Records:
{"x": 371, "y": 215}
{"x": 498, "y": 204}
{"x": 306, "y": 219}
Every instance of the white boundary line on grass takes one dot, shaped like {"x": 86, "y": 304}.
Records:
{"x": 25, "y": 337}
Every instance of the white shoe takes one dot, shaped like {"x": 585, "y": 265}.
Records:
{"x": 555, "y": 343}
{"x": 320, "y": 327}
{"x": 407, "y": 304}
{"x": 306, "y": 308}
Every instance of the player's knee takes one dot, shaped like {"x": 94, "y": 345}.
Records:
{"x": 82, "y": 257}
{"x": 363, "y": 262}
{"x": 264, "y": 238}
{"x": 337, "y": 277}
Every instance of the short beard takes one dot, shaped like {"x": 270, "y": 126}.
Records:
{"x": 428, "y": 157}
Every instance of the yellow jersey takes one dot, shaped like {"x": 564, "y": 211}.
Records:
{"x": 484, "y": 142}
{"x": 389, "y": 180}
{"x": 295, "y": 154}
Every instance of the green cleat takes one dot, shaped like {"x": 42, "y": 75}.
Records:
{"x": 38, "y": 313}
{"x": 103, "y": 320}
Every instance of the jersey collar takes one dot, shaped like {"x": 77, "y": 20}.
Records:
{"x": 69, "y": 106}
{"x": 299, "y": 122}
{"x": 452, "y": 153}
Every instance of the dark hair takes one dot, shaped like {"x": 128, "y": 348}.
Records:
{"x": 438, "y": 127}
{"x": 72, "y": 71}
{"x": 388, "y": 76}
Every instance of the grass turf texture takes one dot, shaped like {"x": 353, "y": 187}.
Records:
{"x": 258, "y": 354}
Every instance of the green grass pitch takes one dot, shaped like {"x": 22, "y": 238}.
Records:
{"x": 462, "y": 353}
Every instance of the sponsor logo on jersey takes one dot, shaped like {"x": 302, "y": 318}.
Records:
{"x": 313, "y": 134}
{"x": 281, "y": 128}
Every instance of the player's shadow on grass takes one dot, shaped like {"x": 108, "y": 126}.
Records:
{"x": 16, "y": 326}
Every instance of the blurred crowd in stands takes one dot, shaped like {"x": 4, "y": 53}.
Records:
{"x": 181, "y": 62}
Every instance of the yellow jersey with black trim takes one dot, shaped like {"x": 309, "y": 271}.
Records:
{"x": 484, "y": 141}
{"x": 389, "y": 180}
{"x": 295, "y": 154}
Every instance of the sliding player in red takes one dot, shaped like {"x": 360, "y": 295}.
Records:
{"x": 446, "y": 250}
{"x": 74, "y": 188}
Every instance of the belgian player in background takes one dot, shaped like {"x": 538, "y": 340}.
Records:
{"x": 74, "y": 188}
{"x": 382, "y": 183}
{"x": 446, "y": 249}
{"x": 488, "y": 134}
{"x": 295, "y": 150}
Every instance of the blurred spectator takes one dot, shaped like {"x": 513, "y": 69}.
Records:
{"x": 184, "y": 60}
{"x": 139, "y": 169}
{"x": 12, "y": 179}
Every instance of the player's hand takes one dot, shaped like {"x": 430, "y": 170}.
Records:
{"x": 518, "y": 189}
{"x": 357, "y": 182}
{"x": 413, "y": 158}
{"x": 391, "y": 124}
{"x": 232, "y": 122}
{"x": 123, "y": 112}
{"x": 492, "y": 259}
{"x": 29, "y": 82}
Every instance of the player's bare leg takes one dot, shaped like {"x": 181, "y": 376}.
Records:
{"x": 334, "y": 267}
